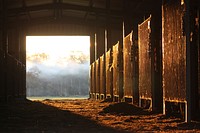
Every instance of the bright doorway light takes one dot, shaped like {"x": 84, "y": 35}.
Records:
{"x": 57, "y": 66}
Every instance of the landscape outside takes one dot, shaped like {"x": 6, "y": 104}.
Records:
{"x": 57, "y": 66}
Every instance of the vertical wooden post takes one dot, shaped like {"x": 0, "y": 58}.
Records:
{"x": 163, "y": 98}
{"x": 198, "y": 42}
{"x": 5, "y": 47}
{"x": 92, "y": 47}
{"x": 156, "y": 57}
{"x": 1, "y": 56}
{"x": 95, "y": 46}
{"x": 106, "y": 41}
{"x": 192, "y": 24}
{"x": 106, "y": 49}
{"x": 188, "y": 62}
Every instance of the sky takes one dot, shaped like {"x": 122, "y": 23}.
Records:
{"x": 56, "y": 47}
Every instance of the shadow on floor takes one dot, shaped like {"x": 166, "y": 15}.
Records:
{"x": 33, "y": 117}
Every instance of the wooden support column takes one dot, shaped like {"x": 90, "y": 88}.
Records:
{"x": 192, "y": 33}
{"x": 106, "y": 41}
{"x": 107, "y": 26}
{"x": 5, "y": 49}
{"x": 188, "y": 63}
{"x": 1, "y": 57}
{"x": 95, "y": 46}
{"x": 104, "y": 63}
{"x": 92, "y": 47}
{"x": 156, "y": 57}
{"x": 198, "y": 42}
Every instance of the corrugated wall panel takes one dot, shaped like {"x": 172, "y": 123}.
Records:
{"x": 1, "y": 41}
{"x": 1, "y": 68}
{"x": 109, "y": 74}
{"x": 21, "y": 81}
{"x": 144, "y": 32}
{"x": 22, "y": 59}
{"x": 24, "y": 79}
{"x": 17, "y": 88}
{"x": 58, "y": 29}
{"x": 15, "y": 78}
{"x": 174, "y": 51}
{"x": 1, "y": 77}
{"x": 10, "y": 78}
{"x": 13, "y": 40}
{"x": 22, "y": 46}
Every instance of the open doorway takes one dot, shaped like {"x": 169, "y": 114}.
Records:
{"x": 57, "y": 67}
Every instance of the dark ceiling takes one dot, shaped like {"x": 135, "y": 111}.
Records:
{"x": 74, "y": 11}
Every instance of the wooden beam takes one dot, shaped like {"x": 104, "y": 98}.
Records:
{"x": 25, "y": 9}
{"x": 64, "y": 20}
{"x": 91, "y": 6}
{"x": 64, "y": 6}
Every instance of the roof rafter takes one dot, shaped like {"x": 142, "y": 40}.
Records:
{"x": 25, "y": 9}
{"x": 65, "y": 6}
{"x": 90, "y": 5}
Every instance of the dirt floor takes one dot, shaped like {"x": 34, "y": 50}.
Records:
{"x": 85, "y": 116}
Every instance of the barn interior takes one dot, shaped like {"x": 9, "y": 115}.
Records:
{"x": 106, "y": 22}
{"x": 110, "y": 22}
